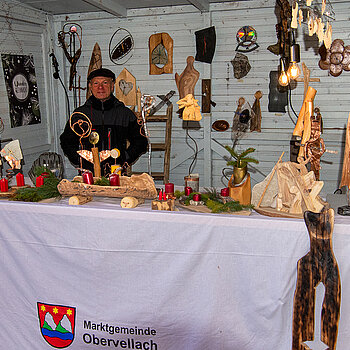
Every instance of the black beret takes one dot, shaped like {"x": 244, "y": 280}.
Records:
{"x": 101, "y": 72}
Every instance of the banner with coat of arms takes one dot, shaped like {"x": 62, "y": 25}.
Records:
{"x": 22, "y": 90}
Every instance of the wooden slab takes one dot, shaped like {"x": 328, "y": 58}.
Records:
{"x": 205, "y": 209}
{"x": 277, "y": 213}
{"x": 125, "y": 79}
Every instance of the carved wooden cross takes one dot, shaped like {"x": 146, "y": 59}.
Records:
{"x": 306, "y": 78}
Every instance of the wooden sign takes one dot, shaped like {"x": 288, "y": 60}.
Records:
{"x": 160, "y": 54}
{"x": 125, "y": 88}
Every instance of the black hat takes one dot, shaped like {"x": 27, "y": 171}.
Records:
{"x": 101, "y": 72}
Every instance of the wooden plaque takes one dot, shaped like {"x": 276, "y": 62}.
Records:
{"x": 160, "y": 47}
{"x": 125, "y": 88}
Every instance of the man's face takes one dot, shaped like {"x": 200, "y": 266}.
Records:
{"x": 102, "y": 87}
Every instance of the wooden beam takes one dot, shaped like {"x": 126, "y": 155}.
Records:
{"x": 110, "y": 6}
{"x": 201, "y": 5}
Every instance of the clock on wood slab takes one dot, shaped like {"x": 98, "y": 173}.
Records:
{"x": 160, "y": 54}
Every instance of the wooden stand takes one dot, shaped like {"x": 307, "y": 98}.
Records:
{"x": 164, "y": 205}
{"x": 241, "y": 193}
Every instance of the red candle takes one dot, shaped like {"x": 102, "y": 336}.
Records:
{"x": 160, "y": 197}
{"x": 169, "y": 188}
{"x": 20, "y": 179}
{"x": 188, "y": 190}
{"x": 114, "y": 180}
{"x": 165, "y": 197}
{"x": 88, "y": 178}
{"x": 197, "y": 197}
{"x": 4, "y": 185}
{"x": 225, "y": 192}
{"x": 39, "y": 181}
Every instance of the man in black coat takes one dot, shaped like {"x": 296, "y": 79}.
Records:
{"x": 111, "y": 119}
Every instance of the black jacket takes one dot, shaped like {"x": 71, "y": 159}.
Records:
{"x": 115, "y": 124}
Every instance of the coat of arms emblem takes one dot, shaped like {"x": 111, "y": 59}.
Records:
{"x": 57, "y": 324}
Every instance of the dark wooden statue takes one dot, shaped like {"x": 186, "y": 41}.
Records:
{"x": 317, "y": 266}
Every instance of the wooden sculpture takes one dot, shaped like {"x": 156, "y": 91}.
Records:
{"x": 345, "y": 178}
{"x": 187, "y": 80}
{"x": 125, "y": 88}
{"x": 160, "y": 53}
{"x": 317, "y": 266}
{"x": 255, "y": 122}
{"x": 95, "y": 63}
{"x": 295, "y": 190}
{"x": 315, "y": 147}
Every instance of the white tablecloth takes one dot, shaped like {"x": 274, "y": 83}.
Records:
{"x": 194, "y": 281}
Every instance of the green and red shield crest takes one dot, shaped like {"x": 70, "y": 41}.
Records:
{"x": 57, "y": 324}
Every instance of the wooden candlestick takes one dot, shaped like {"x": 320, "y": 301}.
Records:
{"x": 96, "y": 160}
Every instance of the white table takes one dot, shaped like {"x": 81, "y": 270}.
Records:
{"x": 198, "y": 281}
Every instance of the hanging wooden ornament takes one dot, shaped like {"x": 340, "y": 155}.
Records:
{"x": 121, "y": 46}
{"x": 160, "y": 54}
{"x": 125, "y": 88}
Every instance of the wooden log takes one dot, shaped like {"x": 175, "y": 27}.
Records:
{"x": 79, "y": 200}
{"x": 168, "y": 205}
{"x": 131, "y": 202}
{"x": 140, "y": 186}
{"x": 345, "y": 177}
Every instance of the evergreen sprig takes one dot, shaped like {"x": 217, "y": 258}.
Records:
{"x": 36, "y": 194}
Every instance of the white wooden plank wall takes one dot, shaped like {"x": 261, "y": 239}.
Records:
{"x": 25, "y": 36}
{"x": 181, "y": 23}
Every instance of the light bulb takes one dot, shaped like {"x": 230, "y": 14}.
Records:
{"x": 294, "y": 70}
{"x": 283, "y": 79}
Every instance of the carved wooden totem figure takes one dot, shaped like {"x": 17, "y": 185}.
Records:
{"x": 318, "y": 265}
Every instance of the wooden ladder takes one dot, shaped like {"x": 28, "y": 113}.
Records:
{"x": 164, "y": 146}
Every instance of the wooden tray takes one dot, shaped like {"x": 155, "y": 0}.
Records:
{"x": 277, "y": 214}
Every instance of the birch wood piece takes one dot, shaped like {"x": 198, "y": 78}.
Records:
{"x": 165, "y": 40}
{"x": 131, "y": 202}
{"x": 125, "y": 88}
{"x": 168, "y": 205}
{"x": 95, "y": 63}
{"x": 268, "y": 183}
{"x": 79, "y": 200}
{"x": 319, "y": 265}
{"x": 140, "y": 186}
{"x": 310, "y": 96}
{"x": 345, "y": 177}
{"x": 309, "y": 108}
{"x": 187, "y": 80}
